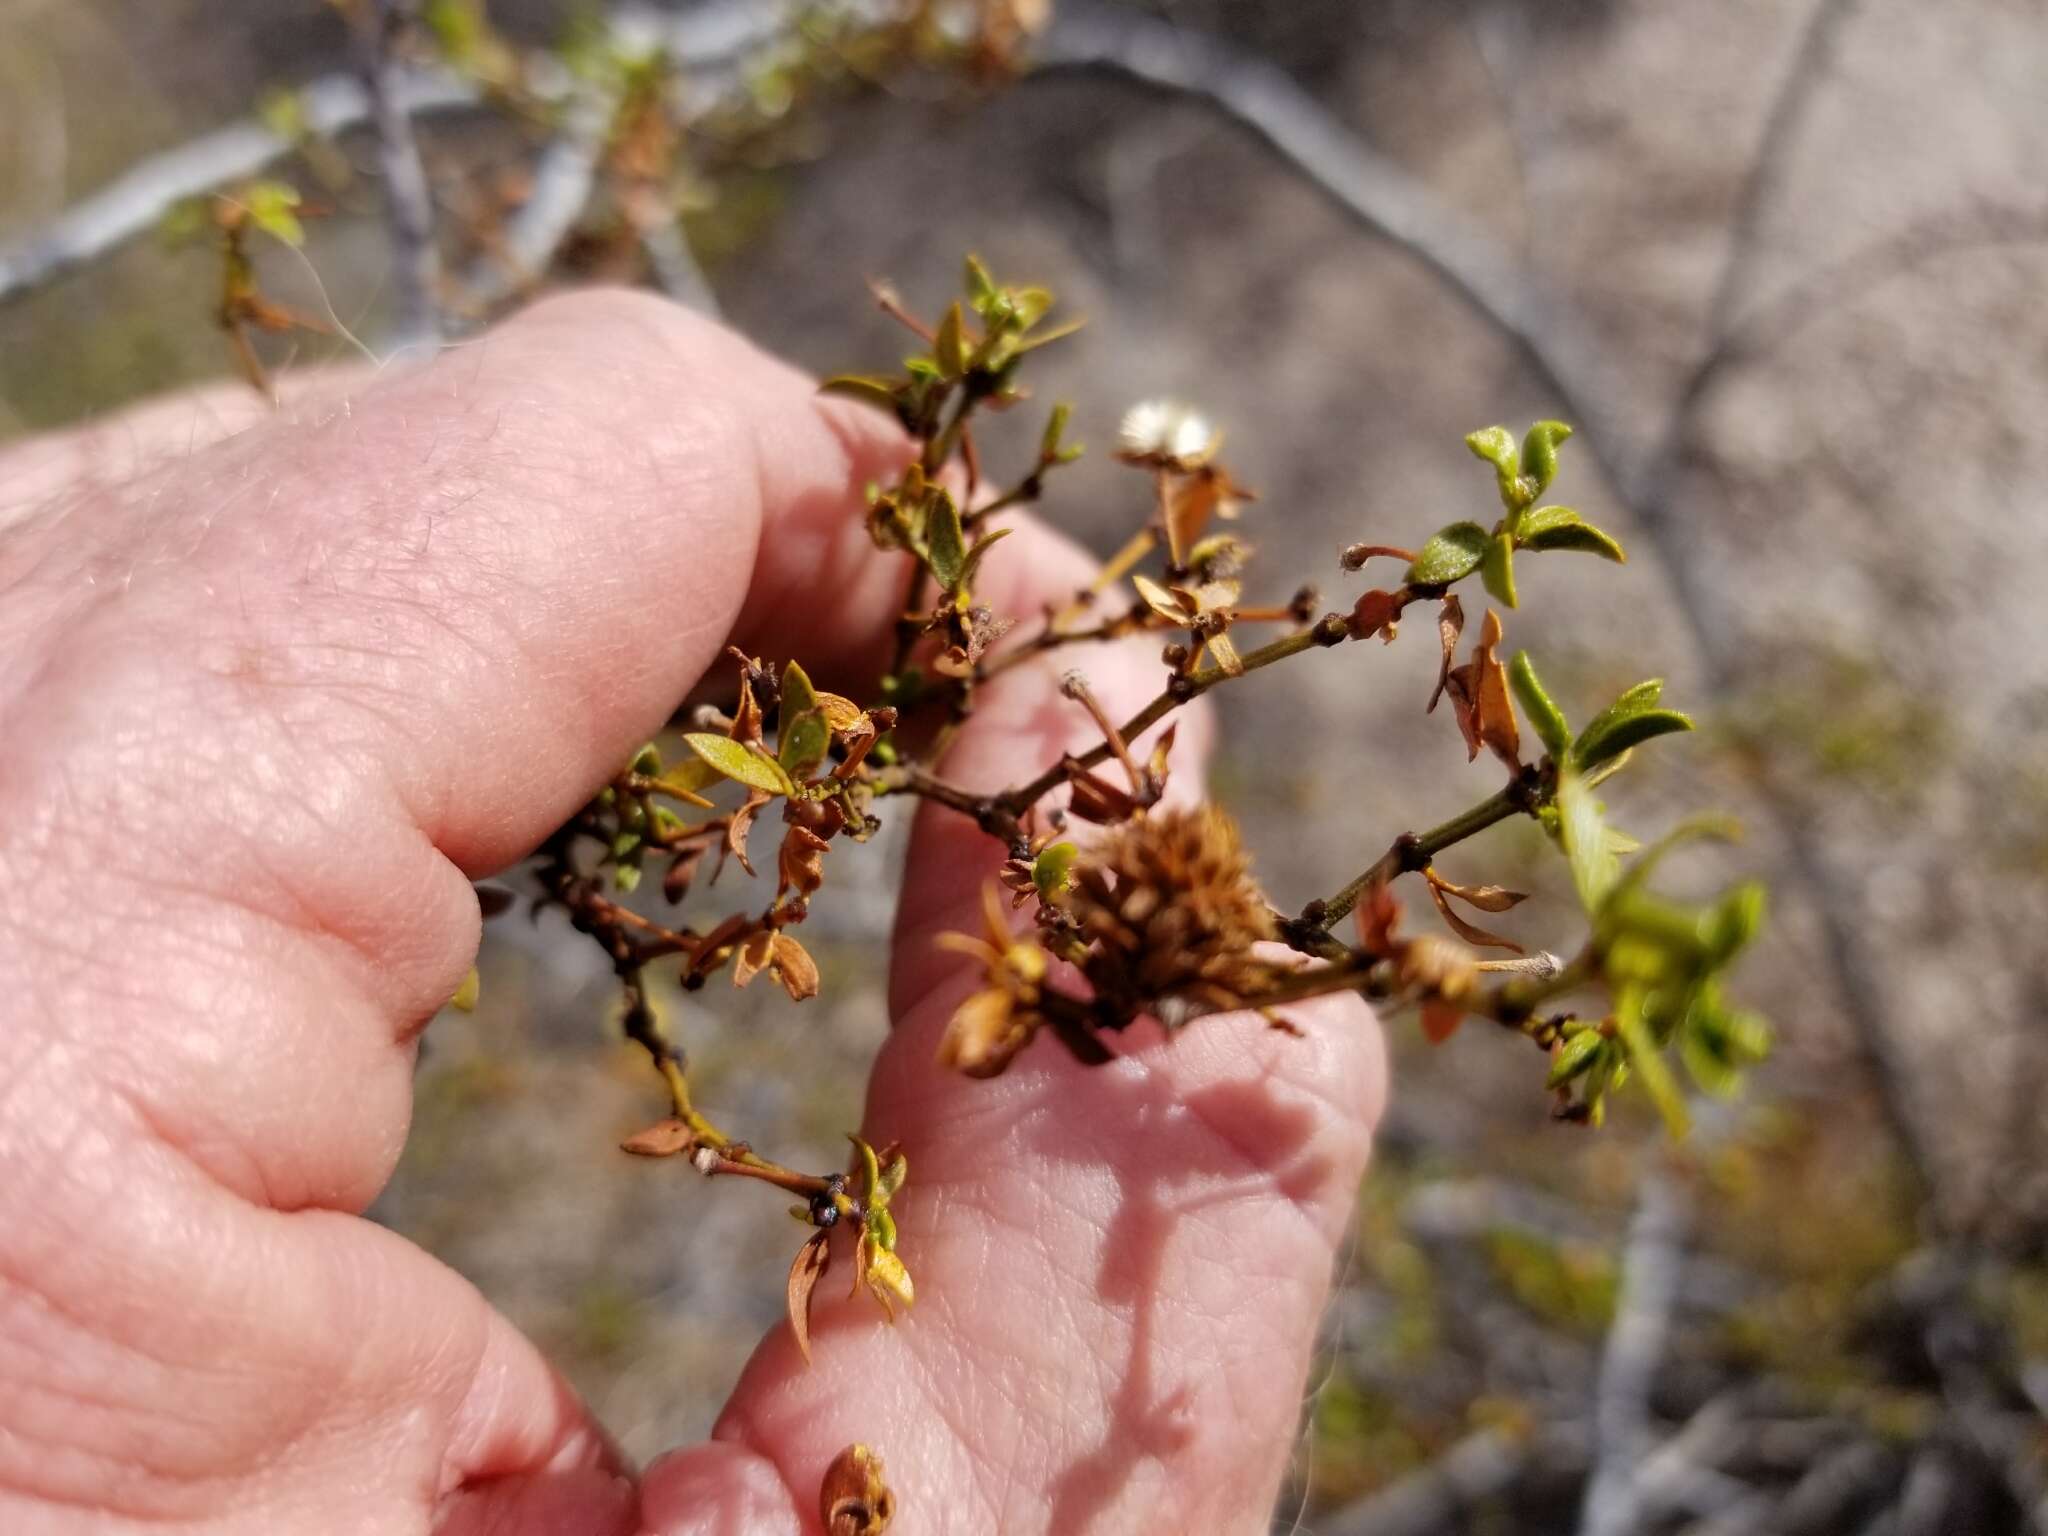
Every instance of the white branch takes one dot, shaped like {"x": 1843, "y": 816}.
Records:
{"x": 408, "y": 201}
{"x": 708, "y": 37}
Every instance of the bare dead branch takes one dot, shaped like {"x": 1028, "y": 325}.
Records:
{"x": 1652, "y": 1264}
{"x": 707, "y": 38}
{"x": 408, "y": 203}
{"x": 1477, "y": 1471}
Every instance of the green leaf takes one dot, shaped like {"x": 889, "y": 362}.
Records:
{"x": 744, "y": 764}
{"x": 950, "y": 349}
{"x": 868, "y": 389}
{"x": 1647, "y": 1059}
{"x": 1055, "y": 432}
{"x": 1496, "y": 445}
{"x": 273, "y": 209}
{"x": 945, "y": 543}
{"x": 1452, "y": 554}
{"x": 1548, "y": 528}
{"x": 1497, "y": 568}
{"x": 1719, "y": 1044}
{"x": 1544, "y": 715}
{"x": 1733, "y": 921}
{"x": 803, "y": 742}
{"x": 981, "y": 288}
{"x": 797, "y": 694}
{"x": 1582, "y": 828}
{"x": 1574, "y": 1056}
{"x": 1628, "y": 722}
{"x": 1539, "y": 453}
{"x": 1052, "y": 870}
{"x": 466, "y": 995}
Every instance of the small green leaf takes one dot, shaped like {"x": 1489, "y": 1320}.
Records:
{"x": 1030, "y": 305}
{"x": 1542, "y": 713}
{"x": 1052, "y": 870}
{"x": 797, "y": 694}
{"x": 950, "y": 349}
{"x": 744, "y": 764}
{"x": 1582, "y": 828}
{"x": 1548, "y": 528}
{"x": 803, "y": 742}
{"x": 945, "y": 543}
{"x": 1647, "y": 1059}
{"x": 465, "y": 997}
{"x": 1611, "y": 735}
{"x": 1452, "y": 554}
{"x": 1496, "y": 445}
{"x": 646, "y": 761}
{"x": 1055, "y": 432}
{"x": 273, "y": 208}
{"x": 868, "y": 389}
{"x": 981, "y": 288}
{"x": 1733, "y": 921}
{"x": 1574, "y": 1056}
{"x": 1497, "y": 568}
{"x": 893, "y": 1176}
{"x": 1539, "y": 453}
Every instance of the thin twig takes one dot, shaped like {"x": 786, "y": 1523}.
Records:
{"x": 408, "y": 202}
{"x": 1652, "y": 1266}
{"x": 1382, "y": 198}
{"x": 706, "y": 38}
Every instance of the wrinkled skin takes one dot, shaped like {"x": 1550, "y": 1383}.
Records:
{"x": 273, "y": 689}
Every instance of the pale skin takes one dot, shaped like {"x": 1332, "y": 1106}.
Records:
{"x": 274, "y": 688}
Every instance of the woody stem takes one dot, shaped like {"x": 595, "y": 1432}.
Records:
{"x": 1327, "y": 631}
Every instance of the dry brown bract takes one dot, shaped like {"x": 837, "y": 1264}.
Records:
{"x": 1170, "y": 908}
{"x": 854, "y": 1499}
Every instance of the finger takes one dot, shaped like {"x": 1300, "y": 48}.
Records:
{"x": 1119, "y": 1269}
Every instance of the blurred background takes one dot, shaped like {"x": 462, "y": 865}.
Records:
{"x": 1783, "y": 263}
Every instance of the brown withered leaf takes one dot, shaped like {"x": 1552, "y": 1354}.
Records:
{"x": 1379, "y": 917}
{"x": 1494, "y": 710}
{"x": 746, "y": 714}
{"x": 805, "y": 1271}
{"x": 1460, "y": 684}
{"x": 1355, "y": 555}
{"x": 794, "y": 967}
{"x": 682, "y": 870}
{"x": 1450, "y": 624}
{"x": 754, "y": 957}
{"x": 1373, "y": 612}
{"x": 742, "y": 823}
{"x": 664, "y": 1138}
{"x": 1487, "y": 898}
{"x": 1440, "y": 1020}
{"x": 854, "y": 1499}
{"x": 800, "y": 865}
{"x": 1470, "y": 932}
{"x": 841, "y": 713}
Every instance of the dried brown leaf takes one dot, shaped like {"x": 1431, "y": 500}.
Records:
{"x": 795, "y": 968}
{"x": 754, "y": 957}
{"x": 742, "y": 823}
{"x": 1493, "y": 705}
{"x": 1487, "y": 898}
{"x": 1470, "y": 932}
{"x": 1450, "y": 624}
{"x": 664, "y": 1138}
{"x": 1373, "y": 612}
{"x": 805, "y": 1271}
{"x": 800, "y": 864}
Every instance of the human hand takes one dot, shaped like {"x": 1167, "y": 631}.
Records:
{"x": 272, "y": 692}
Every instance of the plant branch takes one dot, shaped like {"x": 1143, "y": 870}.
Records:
{"x": 715, "y": 36}
{"x": 1412, "y": 851}
{"x": 1331, "y": 629}
{"x": 408, "y": 203}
